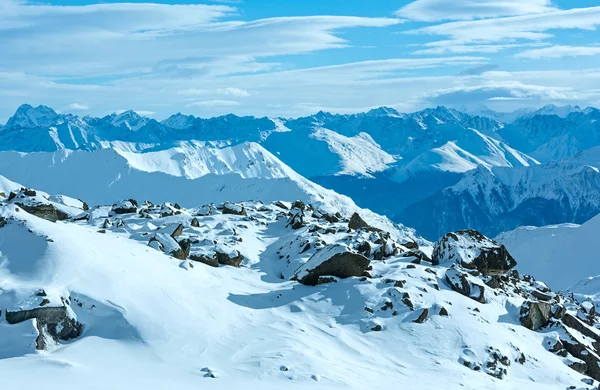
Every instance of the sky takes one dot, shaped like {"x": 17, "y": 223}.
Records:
{"x": 294, "y": 58}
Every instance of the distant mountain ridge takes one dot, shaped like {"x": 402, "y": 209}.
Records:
{"x": 437, "y": 169}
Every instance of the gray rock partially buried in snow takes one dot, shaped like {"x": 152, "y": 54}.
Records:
{"x": 53, "y": 323}
{"x": 333, "y": 260}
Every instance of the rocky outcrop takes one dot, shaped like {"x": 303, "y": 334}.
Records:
{"x": 333, "y": 260}
{"x": 45, "y": 211}
{"x": 125, "y": 207}
{"x": 233, "y": 259}
{"x": 234, "y": 209}
{"x": 535, "y": 315}
{"x": 466, "y": 285}
{"x": 53, "y": 323}
{"x": 472, "y": 250}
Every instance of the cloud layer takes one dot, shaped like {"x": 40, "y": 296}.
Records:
{"x": 210, "y": 59}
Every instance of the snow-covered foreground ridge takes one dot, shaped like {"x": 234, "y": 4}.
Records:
{"x": 269, "y": 295}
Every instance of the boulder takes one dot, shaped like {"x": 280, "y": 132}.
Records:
{"x": 356, "y": 222}
{"x": 210, "y": 261}
{"x": 333, "y": 260}
{"x": 183, "y": 251}
{"x": 45, "y": 211}
{"x": 195, "y": 222}
{"x": 233, "y": 259}
{"x": 422, "y": 317}
{"x": 3, "y": 222}
{"x": 535, "y": 315}
{"x": 234, "y": 209}
{"x": 296, "y": 218}
{"x": 125, "y": 207}
{"x": 464, "y": 284}
{"x": 472, "y": 250}
{"x": 53, "y": 323}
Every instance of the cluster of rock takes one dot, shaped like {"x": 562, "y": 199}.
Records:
{"x": 322, "y": 248}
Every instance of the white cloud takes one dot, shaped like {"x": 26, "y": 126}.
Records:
{"x": 77, "y": 107}
{"x": 436, "y": 10}
{"x": 529, "y": 27}
{"x": 231, "y": 91}
{"x": 112, "y": 39}
{"x": 560, "y": 51}
{"x": 215, "y": 103}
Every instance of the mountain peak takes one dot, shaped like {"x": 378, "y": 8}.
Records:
{"x": 383, "y": 111}
{"x": 28, "y": 116}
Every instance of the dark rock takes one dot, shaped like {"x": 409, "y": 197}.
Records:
{"x": 422, "y": 317}
{"x": 420, "y": 255}
{"x": 51, "y": 322}
{"x": 342, "y": 263}
{"x": 326, "y": 279}
{"x": 492, "y": 258}
{"x": 3, "y": 222}
{"x": 45, "y": 211}
{"x": 368, "y": 309}
{"x": 232, "y": 260}
{"x": 535, "y": 315}
{"x": 459, "y": 282}
{"x": 299, "y": 205}
{"x": 363, "y": 248}
{"x": 541, "y": 296}
{"x": 377, "y": 328}
{"x": 444, "y": 312}
{"x": 407, "y": 301}
{"x": 211, "y": 261}
{"x": 400, "y": 283}
{"x": 184, "y": 249}
{"x": 11, "y": 196}
{"x": 356, "y": 222}
{"x": 234, "y": 209}
{"x": 177, "y": 232}
{"x": 195, "y": 222}
{"x": 411, "y": 245}
{"x": 126, "y": 207}
{"x": 411, "y": 266}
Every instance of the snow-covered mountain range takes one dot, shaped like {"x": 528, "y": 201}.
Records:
{"x": 406, "y": 166}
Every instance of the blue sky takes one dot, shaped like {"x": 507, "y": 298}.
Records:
{"x": 283, "y": 58}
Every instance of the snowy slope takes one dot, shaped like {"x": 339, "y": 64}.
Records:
{"x": 151, "y": 321}
{"x": 561, "y": 255}
{"x": 192, "y": 172}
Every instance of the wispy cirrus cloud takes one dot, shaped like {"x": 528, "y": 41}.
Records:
{"x": 526, "y": 27}
{"x": 437, "y": 10}
{"x": 560, "y": 51}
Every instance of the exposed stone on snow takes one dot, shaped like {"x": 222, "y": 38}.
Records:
{"x": 465, "y": 284}
{"x": 125, "y": 207}
{"x": 472, "y": 250}
{"x": 334, "y": 260}
{"x": 232, "y": 208}
{"x": 53, "y": 323}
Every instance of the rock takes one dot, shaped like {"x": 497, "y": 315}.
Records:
{"x": 418, "y": 254}
{"x": 299, "y": 205}
{"x": 326, "y": 279}
{"x": 184, "y": 249}
{"x": 3, "y": 222}
{"x": 377, "y": 328}
{"x": 232, "y": 259}
{"x": 541, "y": 296}
{"x": 472, "y": 250}
{"x": 195, "y": 222}
{"x": 296, "y": 218}
{"x": 45, "y": 211}
{"x": 356, "y": 222}
{"x": 281, "y": 205}
{"x": 422, "y": 317}
{"x": 463, "y": 284}
{"x": 125, "y": 207}
{"x": 535, "y": 315}
{"x": 177, "y": 232}
{"x": 234, "y": 209}
{"x": 53, "y": 323}
{"x": 333, "y": 260}
{"x": 407, "y": 302}
{"x": 211, "y": 261}
{"x": 444, "y": 312}
{"x": 410, "y": 245}
{"x": 364, "y": 248}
